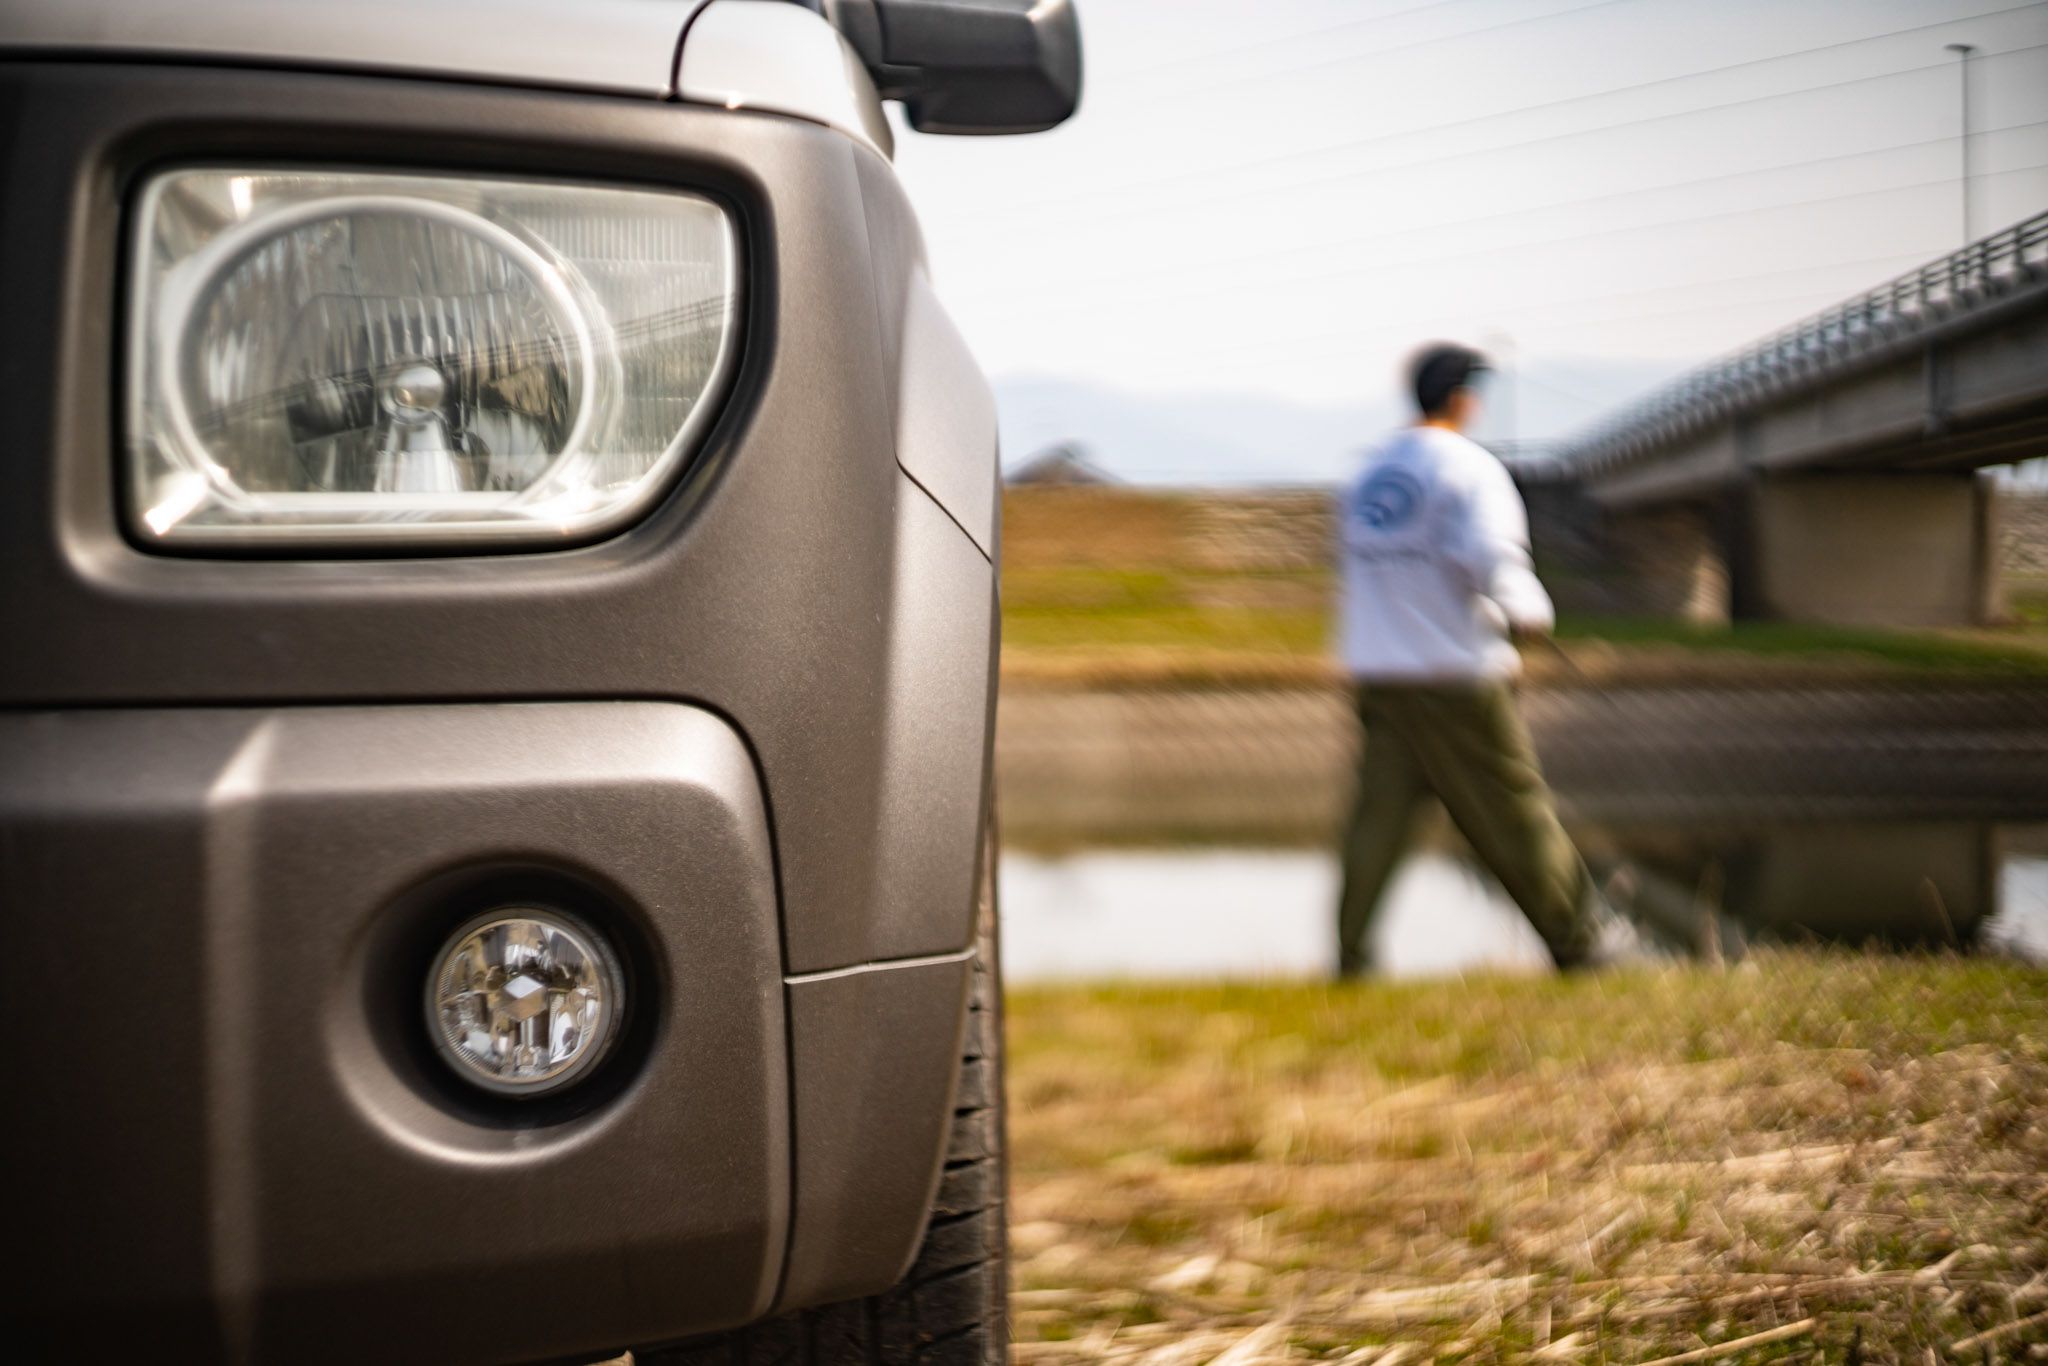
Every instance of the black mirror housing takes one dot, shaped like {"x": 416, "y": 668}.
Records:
{"x": 969, "y": 66}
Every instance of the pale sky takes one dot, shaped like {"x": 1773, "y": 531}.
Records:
{"x": 1278, "y": 198}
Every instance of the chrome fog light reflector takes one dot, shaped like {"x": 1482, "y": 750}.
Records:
{"x": 523, "y": 1001}
{"x": 334, "y": 358}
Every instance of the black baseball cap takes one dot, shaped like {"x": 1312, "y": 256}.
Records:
{"x": 1439, "y": 369}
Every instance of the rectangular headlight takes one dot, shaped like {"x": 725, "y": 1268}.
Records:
{"x": 331, "y": 358}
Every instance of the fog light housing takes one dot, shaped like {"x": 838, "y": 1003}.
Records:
{"x": 523, "y": 1001}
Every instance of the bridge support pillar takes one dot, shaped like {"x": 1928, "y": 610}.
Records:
{"x": 1872, "y": 549}
{"x": 1927, "y": 883}
{"x": 1668, "y": 562}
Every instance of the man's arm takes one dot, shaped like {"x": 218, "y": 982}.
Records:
{"x": 1495, "y": 553}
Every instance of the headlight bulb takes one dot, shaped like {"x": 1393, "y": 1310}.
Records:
{"x": 414, "y": 454}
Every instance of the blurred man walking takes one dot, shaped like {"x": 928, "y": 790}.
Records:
{"x": 1437, "y": 584}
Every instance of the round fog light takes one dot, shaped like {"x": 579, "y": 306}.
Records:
{"x": 523, "y": 1001}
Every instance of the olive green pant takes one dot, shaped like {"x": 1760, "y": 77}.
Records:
{"x": 1464, "y": 744}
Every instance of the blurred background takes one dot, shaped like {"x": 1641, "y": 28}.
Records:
{"x": 1812, "y": 588}
{"x": 1766, "y": 286}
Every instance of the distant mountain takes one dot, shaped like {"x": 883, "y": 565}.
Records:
{"x": 1183, "y": 438}
{"x": 1211, "y": 438}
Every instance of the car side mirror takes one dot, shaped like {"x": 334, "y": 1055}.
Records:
{"x": 969, "y": 66}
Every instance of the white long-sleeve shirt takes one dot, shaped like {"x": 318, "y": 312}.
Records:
{"x": 1435, "y": 549}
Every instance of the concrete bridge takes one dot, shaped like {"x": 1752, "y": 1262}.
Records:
{"x": 1830, "y": 472}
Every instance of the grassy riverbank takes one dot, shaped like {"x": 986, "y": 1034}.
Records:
{"x": 1109, "y": 625}
{"x": 1120, "y": 587}
{"x": 1836, "y": 1149}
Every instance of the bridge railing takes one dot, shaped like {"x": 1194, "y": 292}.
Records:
{"x": 1935, "y": 292}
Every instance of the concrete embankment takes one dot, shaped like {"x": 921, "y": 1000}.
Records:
{"x": 1272, "y": 764}
{"x": 1850, "y": 812}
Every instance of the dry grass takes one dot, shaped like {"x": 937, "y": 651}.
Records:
{"x": 1808, "y": 1158}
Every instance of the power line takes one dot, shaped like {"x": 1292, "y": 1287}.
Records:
{"x": 1574, "y": 238}
{"x": 1354, "y": 144}
{"x": 1232, "y": 193}
{"x": 1523, "y": 210}
{"x": 1254, "y": 77}
{"x": 1412, "y": 321}
{"x": 1795, "y": 297}
{"x": 1523, "y": 376}
{"x": 1209, "y": 173}
{"x": 1948, "y": 181}
{"x": 1530, "y": 316}
{"x": 1373, "y": 338}
{"x": 1282, "y": 39}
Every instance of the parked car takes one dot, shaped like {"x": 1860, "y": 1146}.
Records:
{"x": 497, "y": 560}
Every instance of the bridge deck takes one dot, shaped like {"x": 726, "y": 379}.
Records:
{"x": 1945, "y": 367}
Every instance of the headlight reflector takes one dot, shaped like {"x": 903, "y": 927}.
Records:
{"x": 335, "y": 358}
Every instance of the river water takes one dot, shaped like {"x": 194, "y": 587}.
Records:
{"x": 1213, "y": 914}
{"x": 1716, "y": 816}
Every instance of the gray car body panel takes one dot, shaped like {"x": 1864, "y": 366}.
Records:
{"x": 864, "y": 1043}
{"x": 797, "y": 583}
{"x": 942, "y": 408}
{"x": 624, "y": 46}
{"x": 243, "y": 900}
{"x": 946, "y": 409}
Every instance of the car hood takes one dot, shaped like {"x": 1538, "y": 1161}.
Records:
{"x": 621, "y": 46}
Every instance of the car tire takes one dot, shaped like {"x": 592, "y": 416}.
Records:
{"x": 952, "y": 1308}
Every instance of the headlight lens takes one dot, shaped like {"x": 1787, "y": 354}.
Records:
{"x": 334, "y": 358}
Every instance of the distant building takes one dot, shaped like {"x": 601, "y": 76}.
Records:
{"x": 1065, "y": 463}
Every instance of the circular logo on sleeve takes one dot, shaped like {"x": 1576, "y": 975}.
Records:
{"x": 1388, "y": 499}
